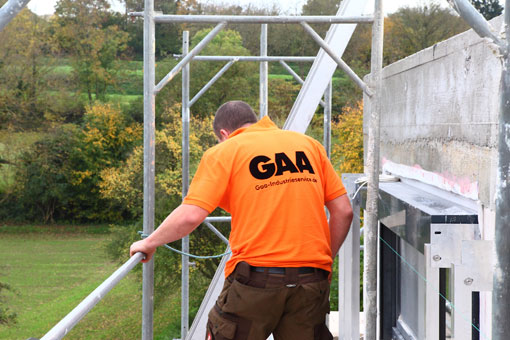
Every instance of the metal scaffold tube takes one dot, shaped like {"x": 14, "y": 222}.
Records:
{"x": 297, "y": 77}
{"x": 263, "y": 72}
{"x": 187, "y": 58}
{"x": 501, "y": 283}
{"x": 185, "y": 185}
{"x": 327, "y": 118}
{"x": 149, "y": 154}
{"x": 372, "y": 166}
{"x": 9, "y": 10}
{"x": 337, "y": 58}
{"x": 250, "y": 58}
{"x": 211, "y": 82}
{"x": 62, "y": 328}
{"x": 247, "y": 19}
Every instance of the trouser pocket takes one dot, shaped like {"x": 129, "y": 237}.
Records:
{"x": 226, "y": 326}
{"x": 321, "y": 332}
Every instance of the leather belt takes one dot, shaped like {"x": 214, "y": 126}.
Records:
{"x": 281, "y": 270}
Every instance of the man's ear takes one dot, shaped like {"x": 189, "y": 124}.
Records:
{"x": 224, "y": 135}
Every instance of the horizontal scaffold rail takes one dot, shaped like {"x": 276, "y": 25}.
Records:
{"x": 71, "y": 319}
{"x": 261, "y": 19}
{"x": 249, "y": 58}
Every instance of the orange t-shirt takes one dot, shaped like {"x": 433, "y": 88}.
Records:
{"x": 274, "y": 183}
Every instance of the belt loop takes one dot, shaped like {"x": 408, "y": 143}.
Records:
{"x": 291, "y": 276}
{"x": 243, "y": 269}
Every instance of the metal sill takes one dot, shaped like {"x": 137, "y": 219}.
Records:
{"x": 408, "y": 208}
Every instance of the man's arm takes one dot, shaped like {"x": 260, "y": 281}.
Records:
{"x": 182, "y": 221}
{"x": 340, "y": 217}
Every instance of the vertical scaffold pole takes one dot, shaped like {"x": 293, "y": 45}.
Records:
{"x": 371, "y": 217}
{"x": 327, "y": 118}
{"x": 501, "y": 283}
{"x": 185, "y": 185}
{"x": 263, "y": 71}
{"x": 149, "y": 152}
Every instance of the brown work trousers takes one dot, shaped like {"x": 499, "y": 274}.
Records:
{"x": 253, "y": 305}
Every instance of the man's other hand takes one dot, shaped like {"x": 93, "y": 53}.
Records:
{"x": 142, "y": 247}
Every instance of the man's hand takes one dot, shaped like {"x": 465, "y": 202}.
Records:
{"x": 142, "y": 247}
{"x": 182, "y": 221}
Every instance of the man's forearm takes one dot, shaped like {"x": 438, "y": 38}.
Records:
{"x": 339, "y": 221}
{"x": 339, "y": 228}
{"x": 181, "y": 222}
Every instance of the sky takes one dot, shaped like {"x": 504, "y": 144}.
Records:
{"x": 290, "y": 7}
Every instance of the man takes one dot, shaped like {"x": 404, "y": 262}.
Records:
{"x": 275, "y": 184}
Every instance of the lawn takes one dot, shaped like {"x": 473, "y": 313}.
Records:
{"x": 52, "y": 272}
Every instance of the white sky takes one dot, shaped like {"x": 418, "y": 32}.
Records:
{"x": 288, "y": 6}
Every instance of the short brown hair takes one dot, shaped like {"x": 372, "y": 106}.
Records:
{"x": 232, "y": 115}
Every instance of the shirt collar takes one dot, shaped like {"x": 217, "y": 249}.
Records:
{"x": 263, "y": 124}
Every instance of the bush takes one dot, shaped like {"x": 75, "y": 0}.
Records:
{"x": 59, "y": 176}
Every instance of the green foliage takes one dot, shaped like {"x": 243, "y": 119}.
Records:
{"x": 488, "y": 8}
{"x": 168, "y": 36}
{"x": 413, "y": 29}
{"x": 347, "y": 153}
{"x": 83, "y": 30}
{"x": 282, "y": 94}
{"x": 407, "y": 31}
{"x": 123, "y": 184}
{"x": 238, "y": 83}
{"x": 59, "y": 176}
{"x": 23, "y": 68}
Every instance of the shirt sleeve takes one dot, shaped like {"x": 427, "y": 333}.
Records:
{"x": 209, "y": 185}
{"x": 333, "y": 186}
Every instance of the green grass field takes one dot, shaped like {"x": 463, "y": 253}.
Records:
{"x": 52, "y": 272}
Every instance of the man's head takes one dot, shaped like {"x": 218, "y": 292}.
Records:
{"x": 231, "y": 116}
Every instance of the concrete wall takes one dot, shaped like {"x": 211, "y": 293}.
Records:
{"x": 440, "y": 114}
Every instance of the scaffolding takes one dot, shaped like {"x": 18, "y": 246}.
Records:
{"x": 299, "y": 120}
{"x": 296, "y": 121}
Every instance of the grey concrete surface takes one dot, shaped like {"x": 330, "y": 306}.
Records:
{"x": 440, "y": 111}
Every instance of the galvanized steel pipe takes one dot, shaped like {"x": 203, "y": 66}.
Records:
{"x": 501, "y": 282}
{"x": 149, "y": 156}
{"x": 337, "y": 59}
{"x": 9, "y": 10}
{"x": 62, "y": 328}
{"x": 189, "y": 56}
{"x": 247, "y": 19}
{"x": 297, "y": 77}
{"x": 185, "y": 185}
{"x": 211, "y": 82}
{"x": 372, "y": 165}
{"x": 263, "y": 73}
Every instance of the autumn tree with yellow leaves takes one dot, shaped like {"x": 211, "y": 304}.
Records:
{"x": 347, "y": 153}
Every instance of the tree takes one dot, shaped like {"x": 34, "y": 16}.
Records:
{"x": 347, "y": 155}
{"x": 488, "y": 8}
{"x": 168, "y": 36}
{"x": 414, "y": 29}
{"x": 124, "y": 185}
{"x": 407, "y": 31}
{"x": 250, "y": 33}
{"x": 83, "y": 30}
{"x": 239, "y": 82}
{"x": 23, "y": 66}
{"x": 59, "y": 176}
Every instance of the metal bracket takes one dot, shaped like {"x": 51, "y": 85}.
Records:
{"x": 446, "y": 243}
{"x": 454, "y": 246}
